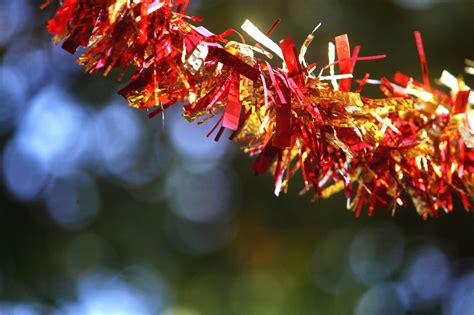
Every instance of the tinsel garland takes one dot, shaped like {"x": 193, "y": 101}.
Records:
{"x": 415, "y": 143}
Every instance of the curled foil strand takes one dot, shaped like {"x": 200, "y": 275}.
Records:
{"x": 415, "y": 144}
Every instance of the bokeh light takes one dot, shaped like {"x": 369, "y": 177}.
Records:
{"x": 36, "y": 71}
{"x": 14, "y": 16}
{"x": 12, "y": 96}
{"x": 426, "y": 279}
{"x": 73, "y": 201}
{"x": 381, "y": 299}
{"x": 376, "y": 252}
{"x": 23, "y": 174}
{"x": 461, "y": 297}
{"x": 20, "y": 309}
{"x": 190, "y": 141}
{"x": 102, "y": 293}
{"x": 198, "y": 238}
{"x": 200, "y": 196}
{"x": 419, "y": 4}
{"x": 117, "y": 135}
{"x": 51, "y": 130}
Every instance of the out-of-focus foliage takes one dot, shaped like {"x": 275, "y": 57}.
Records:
{"x": 106, "y": 212}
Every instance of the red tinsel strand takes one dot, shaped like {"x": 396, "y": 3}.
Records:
{"x": 414, "y": 144}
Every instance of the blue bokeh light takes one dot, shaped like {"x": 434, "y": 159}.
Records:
{"x": 461, "y": 298}
{"x": 376, "y": 252}
{"x": 23, "y": 174}
{"x": 103, "y": 292}
{"x": 116, "y": 135}
{"x": 381, "y": 299}
{"x": 12, "y": 97}
{"x": 51, "y": 130}
{"x": 199, "y": 238}
{"x": 73, "y": 201}
{"x": 426, "y": 279}
{"x": 190, "y": 141}
{"x": 32, "y": 62}
{"x": 14, "y": 17}
{"x": 199, "y": 196}
{"x": 19, "y": 309}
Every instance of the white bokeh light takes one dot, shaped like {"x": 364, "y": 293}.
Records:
{"x": 51, "y": 130}
{"x": 189, "y": 139}
{"x": 103, "y": 292}
{"x": 419, "y": 4}
{"x": 117, "y": 135}
{"x": 23, "y": 174}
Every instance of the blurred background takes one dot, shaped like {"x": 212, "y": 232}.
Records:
{"x": 103, "y": 211}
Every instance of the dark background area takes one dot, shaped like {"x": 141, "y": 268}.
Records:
{"x": 103, "y": 211}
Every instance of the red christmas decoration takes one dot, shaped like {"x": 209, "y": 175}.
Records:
{"x": 415, "y": 144}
